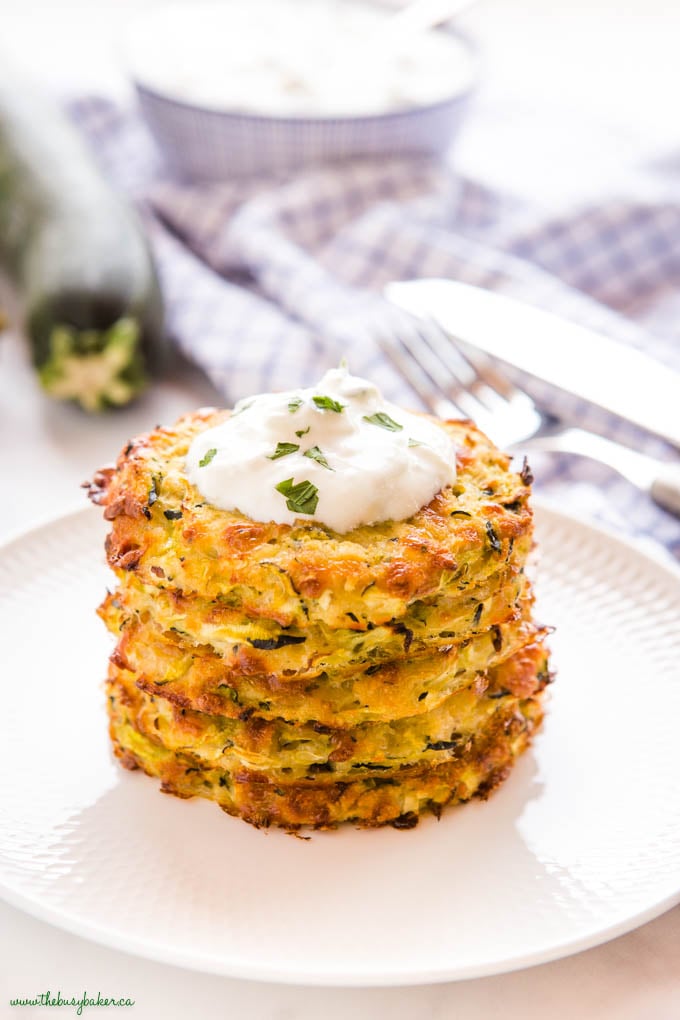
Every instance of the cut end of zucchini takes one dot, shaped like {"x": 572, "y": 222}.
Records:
{"x": 95, "y": 368}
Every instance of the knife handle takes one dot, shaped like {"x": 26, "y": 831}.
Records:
{"x": 665, "y": 489}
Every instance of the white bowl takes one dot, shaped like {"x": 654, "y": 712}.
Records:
{"x": 204, "y": 140}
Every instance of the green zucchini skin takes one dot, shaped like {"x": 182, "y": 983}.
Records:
{"x": 78, "y": 254}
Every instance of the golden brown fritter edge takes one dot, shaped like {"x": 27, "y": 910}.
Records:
{"x": 284, "y": 747}
{"x": 195, "y": 677}
{"x": 246, "y": 649}
{"x": 163, "y": 530}
{"x": 397, "y": 799}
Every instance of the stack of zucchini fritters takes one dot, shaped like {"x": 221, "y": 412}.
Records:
{"x": 302, "y": 678}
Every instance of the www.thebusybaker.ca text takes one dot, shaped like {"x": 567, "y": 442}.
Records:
{"x": 48, "y": 999}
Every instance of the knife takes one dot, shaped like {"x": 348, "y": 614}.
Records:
{"x": 572, "y": 358}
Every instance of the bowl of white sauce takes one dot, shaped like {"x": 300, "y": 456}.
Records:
{"x": 268, "y": 86}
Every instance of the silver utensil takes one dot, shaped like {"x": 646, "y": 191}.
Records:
{"x": 567, "y": 356}
{"x": 456, "y": 383}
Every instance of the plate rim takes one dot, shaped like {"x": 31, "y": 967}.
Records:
{"x": 147, "y": 949}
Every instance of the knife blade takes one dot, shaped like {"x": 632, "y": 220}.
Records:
{"x": 570, "y": 357}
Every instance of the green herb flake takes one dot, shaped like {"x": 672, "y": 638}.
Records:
{"x": 242, "y": 408}
{"x": 302, "y": 498}
{"x": 494, "y": 540}
{"x": 302, "y": 432}
{"x": 384, "y": 421}
{"x": 328, "y": 404}
{"x": 204, "y": 461}
{"x": 415, "y": 442}
{"x": 526, "y": 473}
{"x": 440, "y": 745}
{"x": 282, "y": 450}
{"x": 314, "y": 453}
{"x": 271, "y": 644}
{"x": 153, "y": 492}
{"x": 294, "y": 404}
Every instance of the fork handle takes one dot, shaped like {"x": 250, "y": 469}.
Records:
{"x": 660, "y": 479}
{"x": 665, "y": 489}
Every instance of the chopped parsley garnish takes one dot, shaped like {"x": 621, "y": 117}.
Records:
{"x": 294, "y": 404}
{"x": 314, "y": 453}
{"x": 204, "y": 461}
{"x": 302, "y": 432}
{"x": 328, "y": 404}
{"x": 302, "y": 498}
{"x": 384, "y": 421}
{"x": 415, "y": 442}
{"x": 282, "y": 450}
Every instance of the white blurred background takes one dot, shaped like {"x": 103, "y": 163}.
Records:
{"x": 558, "y": 75}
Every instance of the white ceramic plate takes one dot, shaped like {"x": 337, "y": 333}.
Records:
{"x": 581, "y": 844}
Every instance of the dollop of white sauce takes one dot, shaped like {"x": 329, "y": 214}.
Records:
{"x": 294, "y": 58}
{"x": 364, "y": 459}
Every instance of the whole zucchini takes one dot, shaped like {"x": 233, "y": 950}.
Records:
{"x": 92, "y": 302}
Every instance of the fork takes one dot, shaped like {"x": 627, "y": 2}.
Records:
{"x": 454, "y": 380}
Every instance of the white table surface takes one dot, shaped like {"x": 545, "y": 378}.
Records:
{"x": 619, "y": 63}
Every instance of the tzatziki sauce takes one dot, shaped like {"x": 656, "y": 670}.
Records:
{"x": 294, "y": 58}
{"x": 336, "y": 453}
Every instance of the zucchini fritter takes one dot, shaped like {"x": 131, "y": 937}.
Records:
{"x": 253, "y": 648}
{"x": 283, "y": 748}
{"x": 164, "y": 531}
{"x": 194, "y": 676}
{"x": 323, "y": 802}
{"x": 300, "y": 677}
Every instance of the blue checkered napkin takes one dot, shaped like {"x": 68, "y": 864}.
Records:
{"x": 270, "y": 281}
